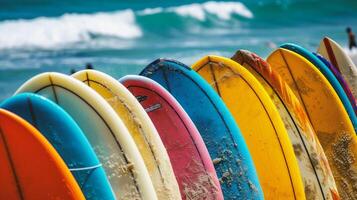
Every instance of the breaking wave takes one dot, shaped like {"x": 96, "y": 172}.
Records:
{"x": 51, "y": 32}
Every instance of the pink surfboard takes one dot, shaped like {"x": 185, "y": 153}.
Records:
{"x": 188, "y": 154}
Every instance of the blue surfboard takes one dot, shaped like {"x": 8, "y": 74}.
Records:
{"x": 67, "y": 138}
{"x": 329, "y": 76}
{"x": 225, "y": 143}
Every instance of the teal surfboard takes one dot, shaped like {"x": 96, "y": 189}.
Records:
{"x": 232, "y": 160}
{"x": 67, "y": 138}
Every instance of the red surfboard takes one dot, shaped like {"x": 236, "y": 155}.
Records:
{"x": 30, "y": 168}
{"x": 188, "y": 154}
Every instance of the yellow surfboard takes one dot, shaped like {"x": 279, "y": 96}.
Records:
{"x": 315, "y": 170}
{"x": 141, "y": 129}
{"x": 260, "y": 123}
{"x": 327, "y": 115}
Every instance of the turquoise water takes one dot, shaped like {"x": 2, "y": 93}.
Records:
{"x": 122, "y": 37}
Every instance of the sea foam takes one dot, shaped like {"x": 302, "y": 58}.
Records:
{"x": 222, "y": 10}
{"x": 49, "y": 32}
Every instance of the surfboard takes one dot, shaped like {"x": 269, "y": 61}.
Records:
{"x": 30, "y": 167}
{"x": 67, "y": 139}
{"x": 342, "y": 81}
{"x": 326, "y": 113}
{"x": 332, "y": 51}
{"x": 260, "y": 123}
{"x": 227, "y": 148}
{"x": 189, "y": 156}
{"x": 328, "y": 75}
{"x": 140, "y": 127}
{"x": 315, "y": 170}
{"x": 104, "y": 130}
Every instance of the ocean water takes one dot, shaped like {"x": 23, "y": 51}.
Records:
{"x": 122, "y": 37}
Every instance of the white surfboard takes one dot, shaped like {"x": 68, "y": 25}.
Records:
{"x": 105, "y": 131}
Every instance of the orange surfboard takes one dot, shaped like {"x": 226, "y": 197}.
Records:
{"x": 30, "y": 167}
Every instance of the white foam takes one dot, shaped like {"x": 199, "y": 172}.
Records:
{"x": 223, "y": 10}
{"x": 150, "y": 11}
{"x": 69, "y": 28}
{"x": 191, "y": 10}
